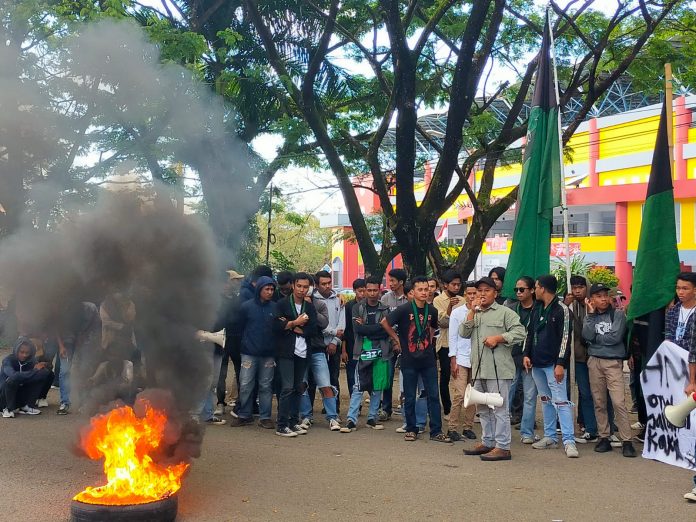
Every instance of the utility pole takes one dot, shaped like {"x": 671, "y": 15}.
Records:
{"x": 268, "y": 226}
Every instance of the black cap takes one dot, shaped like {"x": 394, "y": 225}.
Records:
{"x": 486, "y": 281}
{"x": 598, "y": 287}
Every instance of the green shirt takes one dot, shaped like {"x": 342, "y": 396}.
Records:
{"x": 495, "y": 320}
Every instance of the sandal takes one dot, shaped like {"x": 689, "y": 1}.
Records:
{"x": 410, "y": 436}
{"x": 441, "y": 437}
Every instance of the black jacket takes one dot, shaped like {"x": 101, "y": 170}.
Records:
{"x": 285, "y": 339}
{"x": 548, "y": 335}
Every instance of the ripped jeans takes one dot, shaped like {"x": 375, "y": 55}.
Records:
{"x": 319, "y": 366}
{"x": 554, "y": 403}
{"x": 256, "y": 369}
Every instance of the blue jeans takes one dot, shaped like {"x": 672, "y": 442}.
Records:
{"x": 421, "y": 402}
{"x": 319, "y": 367}
{"x": 351, "y": 366}
{"x": 554, "y": 403}
{"x": 256, "y": 369}
{"x": 429, "y": 376}
{"x": 356, "y": 400}
{"x": 582, "y": 377}
{"x": 529, "y": 406}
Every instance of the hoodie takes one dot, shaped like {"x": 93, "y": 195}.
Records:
{"x": 604, "y": 334}
{"x": 247, "y": 291}
{"x": 255, "y": 322}
{"x": 12, "y": 366}
{"x": 337, "y": 316}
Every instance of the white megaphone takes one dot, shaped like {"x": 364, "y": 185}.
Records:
{"x": 212, "y": 337}
{"x": 676, "y": 415}
{"x": 472, "y": 396}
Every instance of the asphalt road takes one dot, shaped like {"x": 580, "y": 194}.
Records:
{"x": 251, "y": 474}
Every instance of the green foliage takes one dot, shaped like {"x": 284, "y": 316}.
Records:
{"x": 578, "y": 266}
{"x": 602, "y": 274}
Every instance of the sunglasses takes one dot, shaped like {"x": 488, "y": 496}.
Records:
{"x": 520, "y": 290}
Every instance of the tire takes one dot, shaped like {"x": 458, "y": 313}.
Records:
{"x": 160, "y": 511}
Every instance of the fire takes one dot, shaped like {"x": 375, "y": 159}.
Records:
{"x": 126, "y": 441}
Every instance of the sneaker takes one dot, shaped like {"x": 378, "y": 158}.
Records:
{"x": 63, "y": 409}
{"x": 216, "y": 421}
{"x": 219, "y": 410}
{"x": 614, "y": 441}
{"x": 267, "y": 424}
{"x": 28, "y": 410}
{"x": 628, "y": 450}
{"x": 469, "y": 434}
{"x": 571, "y": 450}
{"x": 691, "y": 495}
{"x": 383, "y": 416}
{"x": 398, "y": 411}
{"x": 441, "y": 437}
{"x": 7, "y": 414}
{"x": 299, "y": 429}
{"x": 349, "y": 427}
{"x": 545, "y": 443}
{"x": 239, "y": 421}
{"x": 637, "y": 426}
{"x": 306, "y": 423}
{"x": 42, "y": 403}
{"x": 401, "y": 429}
{"x": 454, "y": 435}
{"x": 286, "y": 432}
{"x": 421, "y": 429}
{"x": 334, "y": 425}
{"x": 586, "y": 437}
{"x": 528, "y": 440}
{"x": 372, "y": 423}
{"x": 603, "y": 446}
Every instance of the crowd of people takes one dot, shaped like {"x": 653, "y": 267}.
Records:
{"x": 289, "y": 334}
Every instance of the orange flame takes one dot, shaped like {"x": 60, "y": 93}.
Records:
{"x": 126, "y": 442}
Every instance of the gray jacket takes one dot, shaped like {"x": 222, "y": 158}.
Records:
{"x": 604, "y": 336}
{"x": 391, "y": 301}
{"x": 374, "y": 332}
{"x": 336, "y": 316}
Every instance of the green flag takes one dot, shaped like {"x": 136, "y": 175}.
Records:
{"x": 540, "y": 185}
{"x": 657, "y": 258}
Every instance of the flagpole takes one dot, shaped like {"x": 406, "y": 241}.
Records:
{"x": 668, "y": 109}
{"x": 564, "y": 200}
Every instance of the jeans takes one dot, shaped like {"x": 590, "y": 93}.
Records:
{"x": 445, "y": 371}
{"x": 291, "y": 373}
{"x": 554, "y": 403}
{"x": 232, "y": 347}
{"x": 18, "y": 391}
{"x": 319, "y": 367}
{"x": 334, "y": 362}
{"x": 496, "y": 431}
{"x": 586, "y": 406}
{"x": 351, "y": 366}
{"x": 516, "y": 395}
{"x": 256, "y": 370}
{"x": 356, "y": 400}
{"x": 529, "y": 407}
{"x": 206, "y": 407}
{"x": 388, "y": 393}
{"x": 410, "y": 378}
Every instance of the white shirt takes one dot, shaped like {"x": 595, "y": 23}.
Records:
{"x": 458, "y": 346}
{"x": 300, "y": 342}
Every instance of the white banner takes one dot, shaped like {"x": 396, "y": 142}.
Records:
{"x": 663, "y": 381}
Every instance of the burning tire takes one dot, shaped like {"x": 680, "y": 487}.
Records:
{"x": 160, "y": 511}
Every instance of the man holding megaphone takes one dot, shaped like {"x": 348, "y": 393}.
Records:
{"x": 493, "y": 330}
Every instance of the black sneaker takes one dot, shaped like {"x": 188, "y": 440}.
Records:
{"x": 603, "y": 445}
{"x": 349, "y": 427}
{"x": 372, "y": 423}
{"x": 454, "y": 436}
{"x": 239, "y": 421}
{"x": 469, "y": 434}
{"x": 285, "y": 432}
{"x": 628, "y": 449}
{"x": 63, "y": 409}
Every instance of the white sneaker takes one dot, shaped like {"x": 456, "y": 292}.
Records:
{"x": 42, "y": 403}
{"x": 286, "y": 432}
{"x": 615, "y": 442}
{"x": 306, "y": 423}
{"x": 7, "y": 414}
{"x": 545, "y": 443}
{"x": 691, "y": 495}
{"x": 401, "y": 429}
{"x": 571, "y": 450}
{"x": 334, "y": 425}
{"x": 219, "y": 410}
{"x": 529, "y": 440}
{"x": 637, "y": 426}
{"x": 28, "y": 410}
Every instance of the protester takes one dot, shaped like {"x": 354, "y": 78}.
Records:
{"x": 459, "y": 351}
{"x": 603, "y": 329}
{"x": 295, "y": 327}
{"x": 497, "y": 274}
{"x": 359, "y": 287}
{"x": 445, "y": 303}
{"x": 395, "y": 297}
{"x": 416, "y": 322}
{"x": 258, "y": 364}
{"x": 586, "y": 413}
{"x": 23, "y": 380}
{"x": 284, "y": 280}
{"x": 433, "y": 289}
{"x": 372, "y": 353}
{"x": 493, "y": 330}
{"x": 525, "y": 305}
{"x": 247, "y": 292}
{"x": 228, "y": 320}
